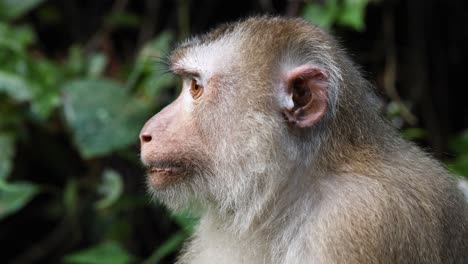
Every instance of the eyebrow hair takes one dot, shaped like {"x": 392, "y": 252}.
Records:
{"x": 181, "y": 70}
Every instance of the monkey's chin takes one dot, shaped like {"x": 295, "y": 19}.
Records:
{"x": 162, "y": 177}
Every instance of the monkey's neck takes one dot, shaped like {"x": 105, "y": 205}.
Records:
{"x": 274, "y": 207}
{"x": 262, "y": 233}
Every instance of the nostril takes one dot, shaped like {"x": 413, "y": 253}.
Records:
{"x": 145, "y": 138}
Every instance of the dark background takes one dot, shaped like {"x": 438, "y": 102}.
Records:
{"x": 78, "y": 78}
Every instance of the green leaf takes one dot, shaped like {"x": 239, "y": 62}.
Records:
{"x": 414, "y": 133}
{"x": 323, "y": 15}
{"x": 46, "y": 95}
{"x": 15, "y": 87}
{"x": 124, "y": 19}
{"x": 353, "y": 14}
{"x": 460, "y": 146}
{"x": 111, "y": 189}
{"x": 7, "y": 151}
{"x": 14, "y": 196}
{"x": 460, "y": 143}
{"x": 102, "y": 116}
{"x": 154, "y": 51}
{"x": 45, "y": 103}
{"x": 156, "y": 83}
{"x": 105, "y": 253}
{"x": 16, "y": 38}
{"x": 96, "y": 65}
{"x": 75, "y": 61}
{"x": 460, "y": 165}
{"x": 159, "y": 46}
{"x": 186, "y": 220}
{"x": 349, "y": 13}
{"x": 23, "y": 35}
{"x": 169, "y": 246}
{"x": 11, "y": 9}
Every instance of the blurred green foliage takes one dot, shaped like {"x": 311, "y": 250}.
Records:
{"x": 100, "y": 115}
{"x": 459, "y": 145}
{"x": 11, "y": 9}
{"x": 348, "y": 13}
{"x": 106, "y": 253}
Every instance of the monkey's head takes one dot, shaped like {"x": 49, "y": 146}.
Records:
{"x": 254, "y": 109}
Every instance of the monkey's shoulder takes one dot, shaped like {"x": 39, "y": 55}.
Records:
{"x": 367, "y": 218}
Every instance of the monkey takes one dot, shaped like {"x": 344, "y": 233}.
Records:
{"x": 278, "y": 141}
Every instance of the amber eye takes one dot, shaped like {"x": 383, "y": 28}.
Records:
{"x": 196, "y": 89}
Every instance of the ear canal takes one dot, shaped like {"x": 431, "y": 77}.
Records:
{"x": 307, "y": 86}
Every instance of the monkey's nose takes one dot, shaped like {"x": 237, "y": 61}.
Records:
{"x": 145, "y": 138}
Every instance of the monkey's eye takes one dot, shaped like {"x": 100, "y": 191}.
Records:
{"x": 196, "y": 89}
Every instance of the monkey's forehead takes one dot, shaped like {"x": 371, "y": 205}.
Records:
{"x": 208, "y": 58}
{"x": 252, "y": 38}
{"x": 221, "y": 41}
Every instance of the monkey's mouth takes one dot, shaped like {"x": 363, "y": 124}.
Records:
{"x": 161, "y": 174}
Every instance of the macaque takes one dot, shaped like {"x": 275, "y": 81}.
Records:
{"x": 277, "y": 139}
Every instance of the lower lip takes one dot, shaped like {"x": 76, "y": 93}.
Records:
{"x": 161, "y": 177}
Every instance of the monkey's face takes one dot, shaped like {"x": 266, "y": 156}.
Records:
{"x": 225, "y": 138}
{"x": 208, "y": 140}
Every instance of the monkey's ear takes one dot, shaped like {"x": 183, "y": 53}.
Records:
{"x": 306, "y": 92}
